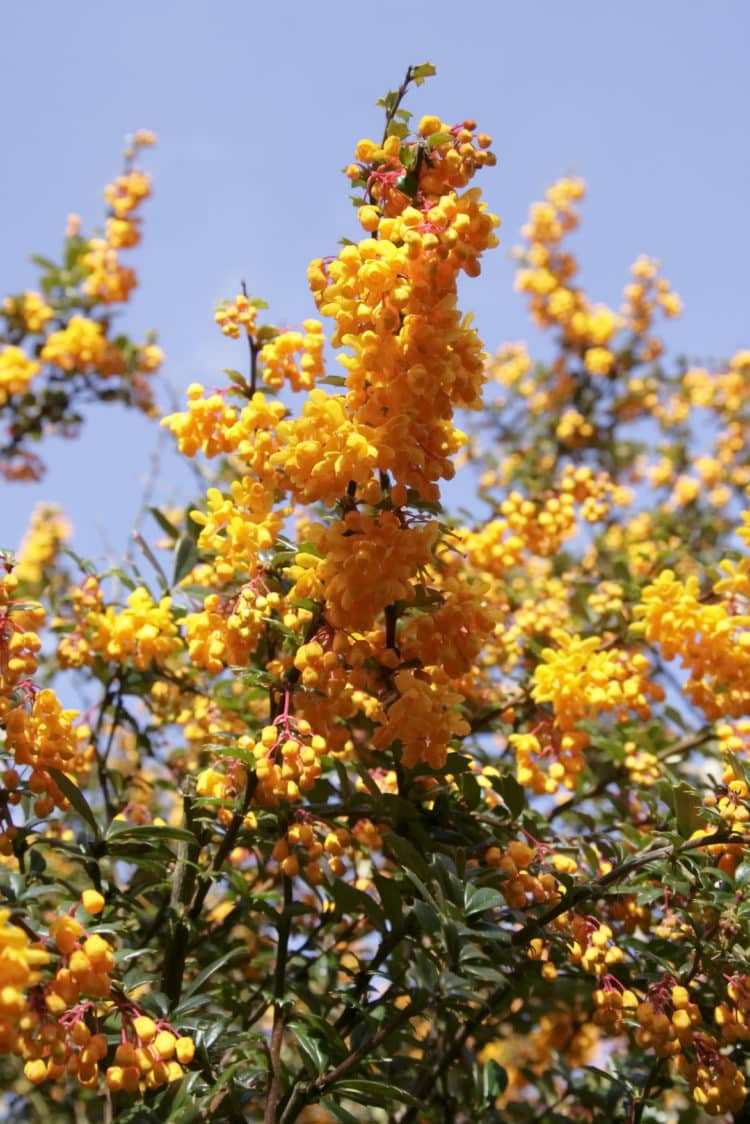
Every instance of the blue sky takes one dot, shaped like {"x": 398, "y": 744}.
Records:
{"x": 258, "y": 108}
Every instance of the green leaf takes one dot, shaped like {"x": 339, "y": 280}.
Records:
{"x": 120, "y": 830}
{"x": 207, "y": 972}
{"x": 154, "y": 562}
{"x": 407, "y": 855}
{"x": 314, "y": 1057}
{"x": 491, "y": 1080}
{"x": 439, "y": 138}
{"x": 45, "y": 263}
{"x": 390, "y": 896}
{"x": 77, "y": 800}
{"x": 398, "y": 129}
{"x": 688, "y": 807}
{"x": 675, "y": 716}
{"x": 479, "y": 898}
{"x": 235, "y": 376}
{"x": 184, "y": 1110}
{"x": 357, "y": 903}
{"x": 339, "y": 1112}
{"x": 185, "y": 558}
{"x": 164, "y": 523}
{"x": 470, "y": 790}
{"x": 374, "y": 1092}
{"x": 424, "y": 70}
{"x": 425, "y": 972}
{"x": 427, "y": 918}
{"x": 84, "y": 564}
{"x": 512, "y": 794}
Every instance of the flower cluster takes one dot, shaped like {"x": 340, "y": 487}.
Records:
{"x": 16, "y": 372}
{"x": 346, "y": 713}
{"x": 363, "y": 563}
{"x": 47, "y": 534}
{"x": 59, "y": 350}
{"x": 278, "y": 362}
{"x": 580, "y": 678}
{"x": 38, "y": 732}
{"x": 20, "y": 963}
{"x": 711, "y": 637}
{"x": 107, "y": 280}
{"x": 61, "y": 1020}
{"x": 142, "y": 634}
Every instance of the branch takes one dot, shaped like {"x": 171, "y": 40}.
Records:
{"x": 183, "y": 887}
{"x": 227, "y": 843}
{"x": 182, "y": 890}
{"x": 304, "y": 1094}
{"x": 103, "y": 757}
{"x": 523, "y": 935}
{"x": 400, "y": 95}
{"x": 389, "y": 942}
{"x": 580, "y": 894}
{"x": 254, "y": 350}
{"x": 279, "y": 988}
{"x": 446, "y": 1059}
{"x": 683, "y": 746}
{"x": 638, "y": 1102}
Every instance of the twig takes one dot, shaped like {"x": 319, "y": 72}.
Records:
{"x": 183, "y": 886}
{"x": 682, "y": 746}
{"x": 254, "y": 349}
{"x": 279, "y": 1003}
{"x": 638, "y": 1103}
{"x": 101, "y": 758}
{"x": 401, "y": 93}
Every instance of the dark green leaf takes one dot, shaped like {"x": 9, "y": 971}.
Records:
{"x": 407, "y": 854}
{"x": 77, "y": 800}
{"x": 207, "y": 972}
{"x": 339, "y": 1112}
{"x": 314, "y": 1057}
{"x": 427, "y": 917}
{"x": 164, "y": 523}
{"x": 373, "y": 1092}
{"x": 185, "y": 558}
{"x": 357, "y": 903}
{"x": 479, "y": 898}
{"x": 120, "y": 830}
{"x": 512, "y": 793}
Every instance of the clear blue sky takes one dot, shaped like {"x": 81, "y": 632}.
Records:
{"x": 258, "y": 107}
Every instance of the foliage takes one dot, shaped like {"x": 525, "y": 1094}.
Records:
{"x": 378, "y": 813}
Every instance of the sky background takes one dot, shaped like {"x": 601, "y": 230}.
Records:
{"x": 258, "y": 107}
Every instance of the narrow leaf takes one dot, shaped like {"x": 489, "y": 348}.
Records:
{"x": 77, "y": 800}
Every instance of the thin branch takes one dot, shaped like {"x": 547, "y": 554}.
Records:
{"x": 638, "y": 1103}
{"x": 279, "y": 1004}
{"x": 579, "y": 894}
{"x": 680, "y": 747}
{"x": 400, "y": 95}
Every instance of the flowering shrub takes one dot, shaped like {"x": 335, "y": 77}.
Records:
{"x": 377, "y": 813}
{"x": 58, "y": 349}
